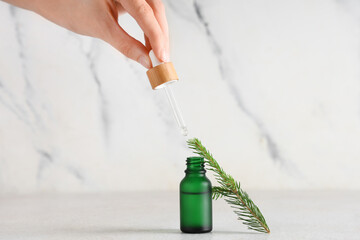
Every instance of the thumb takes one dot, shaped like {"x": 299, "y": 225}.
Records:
{"x": 129, "y": 46}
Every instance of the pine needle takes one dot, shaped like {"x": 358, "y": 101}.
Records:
{"x": 230, "y": 190}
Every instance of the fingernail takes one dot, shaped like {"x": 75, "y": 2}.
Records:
{"x": 165, "y": 56}
{"x": 145, "y": 61}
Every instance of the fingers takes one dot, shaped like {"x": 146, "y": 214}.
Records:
{"x": 144, "y": 15}
{"x": 120, "y": 8}
{"x": 129, "y": 46}
{"x": 159, "y": 12}
{"x": 147, "y": 43}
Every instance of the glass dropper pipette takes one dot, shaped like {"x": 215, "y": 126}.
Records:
{"x": 170, "y": 96}
{"x": 178, "y": 116}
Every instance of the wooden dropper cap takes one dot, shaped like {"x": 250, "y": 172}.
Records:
{"x": 161, "y": 72}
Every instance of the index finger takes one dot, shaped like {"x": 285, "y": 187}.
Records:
{"x": 159, "y": 12}
{"x": 145, "y": 17}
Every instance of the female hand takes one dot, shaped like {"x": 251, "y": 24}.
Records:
{"x": 98, "y": 18}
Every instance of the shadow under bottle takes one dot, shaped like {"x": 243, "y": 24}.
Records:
{"x": 195, "y": 198}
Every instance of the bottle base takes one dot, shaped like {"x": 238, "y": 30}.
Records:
{"x": 196, "y": 229}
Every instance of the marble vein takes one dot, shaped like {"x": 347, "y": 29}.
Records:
{"x": 76, "y": 173}
{"x": 91, "y": 60}
{"x": 224, "y": 71}
{"x": 29, "y": 90}
{"x": 13, "y": 106}
{"x": 45, "y": 159}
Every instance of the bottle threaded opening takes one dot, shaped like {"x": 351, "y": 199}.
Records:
{"x": 194, "y": 160}
{"x": 195, "y": 165}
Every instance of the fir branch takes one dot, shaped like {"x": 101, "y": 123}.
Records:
{"x": 230, "y": 190}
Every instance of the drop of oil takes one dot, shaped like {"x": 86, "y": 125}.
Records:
{"x": 184, "y": 131}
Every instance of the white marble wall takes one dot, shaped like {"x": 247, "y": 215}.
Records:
{"x": 271, "y": 87}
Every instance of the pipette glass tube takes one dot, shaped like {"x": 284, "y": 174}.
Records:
{"x": 178, "y": 116}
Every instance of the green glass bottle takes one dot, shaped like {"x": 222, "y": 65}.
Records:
{"x": 195, "y": 198}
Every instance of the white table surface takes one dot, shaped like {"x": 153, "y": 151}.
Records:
{"x": 155, "y": 215}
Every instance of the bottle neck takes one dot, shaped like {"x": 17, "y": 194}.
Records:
{"x": 195, "y": 165}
